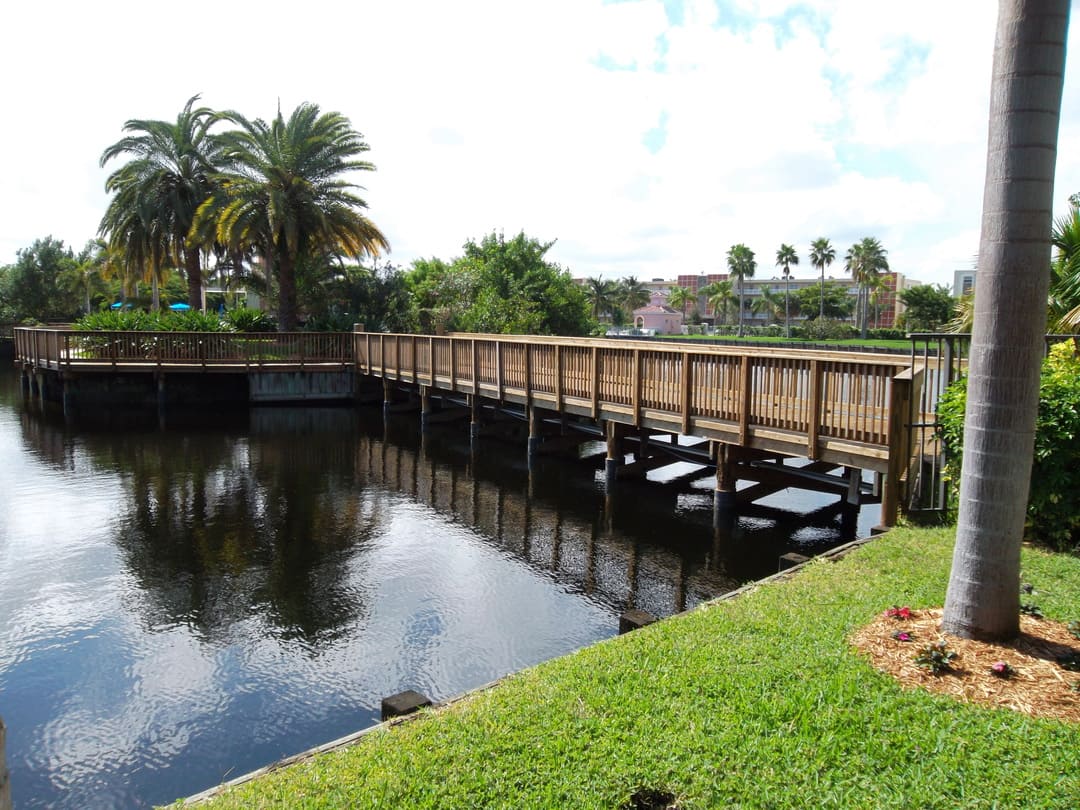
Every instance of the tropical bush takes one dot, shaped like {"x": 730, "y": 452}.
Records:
{"x": 137, "y": 320}
{"x": 248, "y": 319}
{"x": 825, "y": 330}
{"x": 1053, "y": 516}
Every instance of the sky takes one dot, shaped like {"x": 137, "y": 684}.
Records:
{"x": 643, "y": 137}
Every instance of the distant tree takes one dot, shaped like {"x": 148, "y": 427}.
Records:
{"x": 601, "y": 294}
{"x": 769, "y": 302}
{"x": 376, "y": 296}
{"x": 680, "y": 298}
{"x": 785, "y": 257}
{"x": 515, "y": 290}
{"x": 719, "y": 296}
{"x": 632, "y": 294}
{"x": 928, "y": 307}
{"x": 822, "y": 254}
{"x": 741, "y": 266}
{"x": 865, "y": 260}
{"x": 833, "y": 298}
{"x": 32, "y": 288}
{"x": 441, "y": 292}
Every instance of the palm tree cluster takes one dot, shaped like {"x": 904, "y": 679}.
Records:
{"x": 275, "y": 191}
{"x": 615, "y": 300}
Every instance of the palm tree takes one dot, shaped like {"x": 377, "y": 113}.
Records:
{"x": 168, "y": 177}
{"x": 282, "y": 194}
{"x": 741, "y": 265}
{"x": 1065, "y": 274}
{"x": 822, "y": 254}
{"x": 785, "y": 257}
{"x": 718, "y": 296}
{"x": 768, "y": 302}
{"x": 632, "y": 294}
{"x": 136, "y": 233}
{"x": 865, "y": 261}
{"x": 680, "y": 297}
{"x": 600, "y": 294}
{"x": 982, "y": 600}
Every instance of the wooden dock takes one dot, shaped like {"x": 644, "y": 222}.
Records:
{"x": 751, "y": 403}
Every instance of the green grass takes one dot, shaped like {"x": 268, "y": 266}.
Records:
{"x": 869, "y": 342}
{"x": 754, "y": 702}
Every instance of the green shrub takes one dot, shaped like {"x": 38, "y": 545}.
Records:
{"x": 247, "y": 319}
{"x": 1054, "y": 502}
{"x": 192, "y": 320}
{"x": 330, "y": 322}
{"x": 120, "y": 320}
{"x": 825, "y": 330}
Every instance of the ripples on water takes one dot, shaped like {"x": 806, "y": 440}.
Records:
{"x": 179, "y": 606}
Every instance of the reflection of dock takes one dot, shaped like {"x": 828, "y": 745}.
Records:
{"x": 528, "y": 514}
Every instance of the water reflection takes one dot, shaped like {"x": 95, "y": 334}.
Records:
{"x": 183, "y": 604}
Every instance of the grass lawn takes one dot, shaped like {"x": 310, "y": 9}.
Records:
{"x": 753, "y": 702}
{"x": 810, "y": 344}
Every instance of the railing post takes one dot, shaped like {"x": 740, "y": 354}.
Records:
{"x": 635, "y": 397}
{"x": 686, "y": 395}
{"x": 301, "y": 343}
{"x": 453, "y": 364}
{"x": 813, "y": 419}
{"x": 558, "y": 383}
{"x": 499, "y": 368}
{"x": 595, "y": 382}
{"x": 745, "y": 378}
{"x": 899, "y": 402}
{"x": 528, "y": 377}
{"x": 475, "y": 369}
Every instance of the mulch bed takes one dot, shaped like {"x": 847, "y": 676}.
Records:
{"x": 1039, "y": 686}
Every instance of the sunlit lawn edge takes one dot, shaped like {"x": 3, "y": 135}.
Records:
{"x": 757, "y": 701}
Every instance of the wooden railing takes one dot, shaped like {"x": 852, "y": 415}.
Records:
{"x": 828, "y": 405}
{"x": 67, "y": 349}
{"x": 815, "y": 404}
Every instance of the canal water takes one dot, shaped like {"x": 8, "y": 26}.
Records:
{"x": 185, "y": 599}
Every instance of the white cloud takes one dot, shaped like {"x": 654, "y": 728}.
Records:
{"x": 781, "y": 121}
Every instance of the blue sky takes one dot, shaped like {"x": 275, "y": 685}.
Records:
{"x": 645, "y": 136}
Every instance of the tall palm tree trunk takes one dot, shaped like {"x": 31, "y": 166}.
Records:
{"x": 193, "y": 270}
{"x": 1010, "y": 318}
{"x": 287, "y": 315}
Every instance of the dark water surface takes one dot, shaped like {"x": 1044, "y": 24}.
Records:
{"x": 182, "y": 604}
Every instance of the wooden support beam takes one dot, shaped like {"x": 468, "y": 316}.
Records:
{"x": 746, "y": 398}
{"x": 899, "y": 406}
{"x": 636, "y": 388}
{"x": 686, "y": 393}
{"x": 814, "y": 417}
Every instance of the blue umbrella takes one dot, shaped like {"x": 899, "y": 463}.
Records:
{"x": 179, "y": 306}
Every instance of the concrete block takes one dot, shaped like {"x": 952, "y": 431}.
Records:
{"x": 403, "y": 703}
{"x": 634, "y": 620}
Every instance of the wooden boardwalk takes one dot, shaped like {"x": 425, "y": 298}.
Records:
{"x": 844, "y": 408}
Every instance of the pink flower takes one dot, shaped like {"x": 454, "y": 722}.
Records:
{"x": 898, "y": 613}
{"x": 1001, "y": 669}
{"x": 900, "y": 635}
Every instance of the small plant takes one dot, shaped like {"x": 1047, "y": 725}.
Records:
{"x": 1029, "y": 609}
{"x": 898, "y": 613}
{"x": 936, "y": 658}
{"x": 1001, "y": 669}
{"x": 1074, "y": 628}
{"x": 903, "y": 635}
